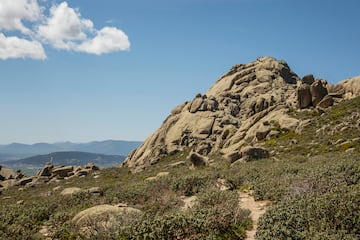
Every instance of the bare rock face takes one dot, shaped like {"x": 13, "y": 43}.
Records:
{"x": 242, "y": 108}
{"x": 225, "y": 116}
{"x": 349, "y": 87}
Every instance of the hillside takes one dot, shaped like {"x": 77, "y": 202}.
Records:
{"x": 16, "y": 151}
{"x": 297, "y": 156}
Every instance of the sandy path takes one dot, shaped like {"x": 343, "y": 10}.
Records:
{"x": 257, "y": 208}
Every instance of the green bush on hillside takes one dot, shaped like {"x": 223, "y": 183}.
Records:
{"x": 333, "y": 215}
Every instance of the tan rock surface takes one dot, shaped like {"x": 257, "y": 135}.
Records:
{"x": 241, "y": 108}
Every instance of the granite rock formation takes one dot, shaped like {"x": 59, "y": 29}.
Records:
{"x": 243, "y": 107}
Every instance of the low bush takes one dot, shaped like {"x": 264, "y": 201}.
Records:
{"x": 333, "y": 215}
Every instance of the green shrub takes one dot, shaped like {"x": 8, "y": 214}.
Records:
{"x": 333, "y": 215}
{"x": 189, "y": 185}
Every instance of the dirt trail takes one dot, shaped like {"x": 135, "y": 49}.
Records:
{"x": 257, "y": 208}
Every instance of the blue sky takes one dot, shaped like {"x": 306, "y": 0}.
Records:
{"x": 130, "y": 62}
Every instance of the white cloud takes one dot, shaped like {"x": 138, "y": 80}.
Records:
{"x": 13, "y": 12}
{"x": 64, "y": 29}
{"x": 108, "y": 39}
{"x": 14, "y": 47}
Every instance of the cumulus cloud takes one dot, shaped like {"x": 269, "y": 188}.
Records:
{"x": 14, "y": 47}
{"x": 108, "y": 39}
{"x": 64, "y": 29}
{"x": 14, "y": 12}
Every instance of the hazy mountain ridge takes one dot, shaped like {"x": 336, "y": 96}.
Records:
{"x": 16, "y": 151}
{"x": 68, "y": 158}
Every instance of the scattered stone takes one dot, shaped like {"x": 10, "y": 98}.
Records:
{"x": 224, "y": 184}
{"x": 189, "y": 202}
{"x": 149, "y": 179}
{"x": 350, "y": 150}
{"x": 176, "y": 164}
{"x": 95, "y": 190}
{"x": 20, "y": 202}
{"x": 162, "y": 174}
{"x": 55, "y": 189}
{"x": 71, "y": 191}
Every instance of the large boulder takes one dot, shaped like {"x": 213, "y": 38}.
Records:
{"x": 304, "y": 96}
{"x": 103, "y": 218}
{"x": 308, "y": 79}
{"x": 318, "y": 92}
{"x": 250, "y": 153}
{"x": 326, "y": 102}
{"x": 46, "y": 171}
{"x": 63, "y": 171}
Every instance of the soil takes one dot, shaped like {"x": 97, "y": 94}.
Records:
{"x": 257, "y": 209}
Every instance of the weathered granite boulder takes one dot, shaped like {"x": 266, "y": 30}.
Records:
{"x": 318, "y": 92}
{"x": 254, "y": 153}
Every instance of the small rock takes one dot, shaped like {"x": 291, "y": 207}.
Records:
{"x": 162, "y": 174}
{"x": 350, "y": 150}
{"x": 20, "y": 202}
{"x": 71, "y": 191}
{"x": 176, "y": 164}
{"x": 94, "y": 190}
{"x": 189, "y": 202}
{"x": 224, "y": 184}
{"x": 151, "y": 179}
{"x": 55, "y": 189}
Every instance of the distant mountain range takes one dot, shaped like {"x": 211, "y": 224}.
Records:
{"x": 16, "y": 151}
{"x": 67, "y": 158}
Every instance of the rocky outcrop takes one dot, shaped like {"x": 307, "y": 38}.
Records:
{"x": 246, "y": 105}
{"x": 349, "y": 87}
{"x": 48, "y": 173}
{"x": 6, "y": 174}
